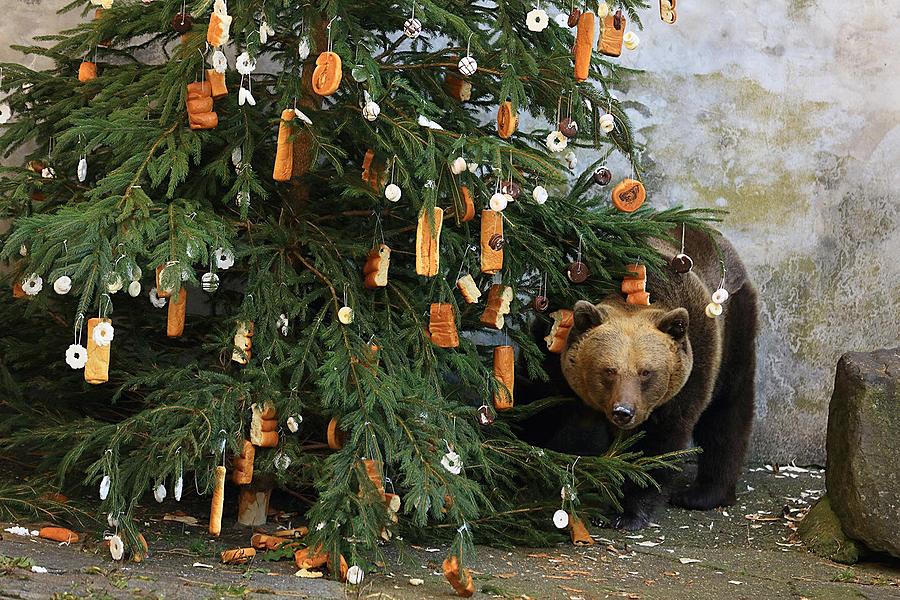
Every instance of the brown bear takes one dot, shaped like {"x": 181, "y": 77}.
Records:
{"x": 672, "y": 372}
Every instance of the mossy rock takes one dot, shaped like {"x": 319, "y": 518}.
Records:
{"x": 821, "y": 532}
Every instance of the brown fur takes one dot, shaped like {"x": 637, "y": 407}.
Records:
{"x": 680, "y": 373}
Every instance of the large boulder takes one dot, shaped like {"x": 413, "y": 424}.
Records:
{"x": 863, "y": 468}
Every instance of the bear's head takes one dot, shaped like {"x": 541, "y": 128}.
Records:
{"x": 625, "y": 361}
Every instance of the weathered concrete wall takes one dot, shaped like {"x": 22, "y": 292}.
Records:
{"x": 784, "y": 112}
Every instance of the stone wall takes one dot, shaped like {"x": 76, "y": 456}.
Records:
{"x": 785, "y": 113}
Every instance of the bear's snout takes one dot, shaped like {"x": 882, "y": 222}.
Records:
{"x": 622, "y": 415}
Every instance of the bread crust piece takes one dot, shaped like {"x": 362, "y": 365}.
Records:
{"x": 460, "y": 579}
{"x": 468, "y": 288}
{"x": 176, "y": 314}
{"x": 579, "y": 533}
{"x": 610, "y": 42}
{"x": 458, "y": 88}
{"x": 499, "y": 298}
{"x": 442, "y": 326}
{"x": 563, "y": 319}
{"x": 242, "y": 466}
{"x": 505, "y": 374}
{"x": 87, "y": 71}
{"x": 428, "y": 253}
{"x": 468, "y": 205}
{"x": 284, "y": 152}
{"x": 263, "y": 426}
{"x": 217, "y": 84}
{"x": 217, "y": 504}
{"x": 375, "y": 271}
{"x": 96, "y": 370}
{"x": 584, "y": 42}
{"x": 491, "y": 224}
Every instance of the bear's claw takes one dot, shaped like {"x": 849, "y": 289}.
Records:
{"x": 702, "y": 497}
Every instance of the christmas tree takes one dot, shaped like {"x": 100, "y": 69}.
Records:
{"x": 302, "y": 241}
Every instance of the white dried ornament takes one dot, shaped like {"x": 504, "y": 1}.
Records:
{"x": 155, "y": 300}
{"x": 112, "y": 520}
{"x": 76, "y": 356}
{"x": 540, "y": 194}
{"x": 103, "y": 333}
{"x": 23, "y": 251}
{"x": 265, "y": 30}
{"x": 303, "y": 49}
{"x": 458, "y": 165}
{"x": 607, "y": 123}
{"x": 371, "y": 110}
{"x": 62, "y": 285}
{"x": 219, "y": 61}
{"x": 245, "y": 97}
{"x": 5, "y": 113}
{"x": 561, "y": 519}
{"x": 116, "y": 547}
{"x": 244, "y": 64}
{"x": 105, "y": 484}
{"x": 472, "y": 166}
{"x": 114, "y": 282}
{"x": 392, "y": 192}
{"x": 179, "y": 487}
{"x": 562, "y": 19}
{"x": 48, "y": 173}
{"x": 713, "y": 310}
{"x": 556, "y": 141}
{"x": 630, "y": 40}
{"x": 134, "y": 289}
{"x": 452, "y": 462}
{"x": 282, "y": 461}
{"x": 82, "y": 169}
{"x": 282, "y": 324}
{"x": 412, "y": 28}
{"x": 602, "y": 9}
{"x": 237, "y": 156}
{"x": 498, "y": 202}
{"x": 355, "y": 575}
{"x": 426, "y": 122}
{"x": 720, "y": 296}
{"x": 571, "y": 159}
{"x": 224, "y": 258}
{"x": 33, "y": 284}
{"x": 159, "y": 493}
{"x": 293, "y": 424}
{"x": 345, "y": 315}
{"x": 537, "y": 20}
{"x": 467, "y": 65}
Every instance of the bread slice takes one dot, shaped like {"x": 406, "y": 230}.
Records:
{"x": 376, "y": 270}
{"x": 428, "y": 241}
{"x": 491, "y": 224}
{"x": 469, "y": 289}
{"x": 442, "y": 326}
{"x": 263, "y": 426}
{"x": 505, "y": 374}
{"x": 563, "y": 319}
{"x": 499, "y": 298}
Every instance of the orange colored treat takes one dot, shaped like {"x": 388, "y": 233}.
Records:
{"x": 584, "y": 42}
{"x": 59, "y": 534}
{"x": 442, "y": 326}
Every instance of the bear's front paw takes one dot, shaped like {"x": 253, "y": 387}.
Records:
{"x": 633, "y": 522}
{"x": 702, "y": 497}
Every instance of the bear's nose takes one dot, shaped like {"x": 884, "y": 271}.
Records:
{"x": 622, "y": 415}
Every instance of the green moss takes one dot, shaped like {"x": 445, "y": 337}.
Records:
{"x": 821, "y": 531}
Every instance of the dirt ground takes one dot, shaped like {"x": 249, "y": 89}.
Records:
{"x": 744, "y": 552}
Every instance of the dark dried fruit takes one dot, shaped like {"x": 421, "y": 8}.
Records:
{"x": 512, "y": 188}
{"x": 574, "y": 15}
{"x": 577, "y": 272}
{"x": 182, "y": 22}
{"x": 485, "y": 415}
{"x": 682, "y": 263}
{"x": 602, "y": 176}
{"x": 540, "y": 303}
{"x": 496, "y": 242}
{"x": 568, "y": 127}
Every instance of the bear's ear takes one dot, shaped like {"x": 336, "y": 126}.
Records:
{"x": 674, "y": 323}
{"x": 587, "y": 315}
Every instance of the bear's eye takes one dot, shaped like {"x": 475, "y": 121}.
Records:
{"x": 645, "y": 374}
{"x": 610, "y": 371}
